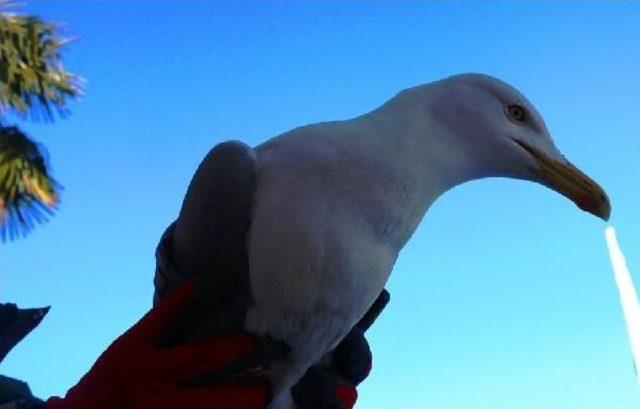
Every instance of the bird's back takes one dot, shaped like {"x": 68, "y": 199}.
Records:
{"x": 208, "y": 243}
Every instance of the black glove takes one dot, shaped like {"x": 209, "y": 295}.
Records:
{"x": 331, "y": 384}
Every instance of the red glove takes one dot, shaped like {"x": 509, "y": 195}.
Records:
{"x": 133, "y": 373}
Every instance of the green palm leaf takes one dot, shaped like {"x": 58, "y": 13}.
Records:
{"x": 32, "y": 78}
{"x": 34, "y": 84}
{"x": 28, "y": 194}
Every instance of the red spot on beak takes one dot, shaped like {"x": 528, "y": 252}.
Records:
{"x": 347, "y": 395}
{"x": 586, "y": 203}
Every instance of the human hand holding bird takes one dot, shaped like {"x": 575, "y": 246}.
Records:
{"x": 135, "y": 373}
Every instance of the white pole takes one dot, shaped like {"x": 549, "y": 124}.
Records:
{"x": 628, "y": 295}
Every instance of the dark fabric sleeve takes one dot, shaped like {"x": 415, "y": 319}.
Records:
{"x": 15, "y": 324}
{"x": 15, "y": 394}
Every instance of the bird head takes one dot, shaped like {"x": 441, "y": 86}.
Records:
{"x": 495, "y": 131}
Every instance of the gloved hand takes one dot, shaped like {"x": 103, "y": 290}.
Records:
{"x": 134, "y": 373}
{"x": 331, "y": 384}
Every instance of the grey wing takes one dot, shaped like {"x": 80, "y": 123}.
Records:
{"x": 208, "y": 242}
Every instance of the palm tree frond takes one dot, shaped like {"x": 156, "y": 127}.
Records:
{"x": 28, "y": 194}
{"x": 32, "y": 78}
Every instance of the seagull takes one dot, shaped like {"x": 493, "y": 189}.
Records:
{"x": 295, "y": 238}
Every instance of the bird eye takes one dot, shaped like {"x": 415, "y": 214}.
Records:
{"x": 516, "y": 112}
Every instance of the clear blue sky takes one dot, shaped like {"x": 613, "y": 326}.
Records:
{"x": 503, "y": 299}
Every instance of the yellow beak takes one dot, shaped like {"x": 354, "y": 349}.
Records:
{"x": 571, "y": 182}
